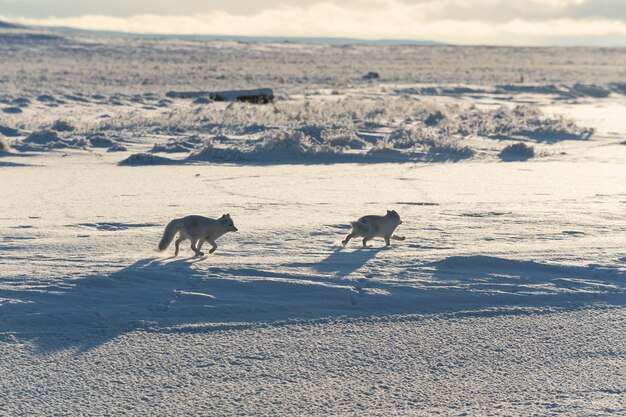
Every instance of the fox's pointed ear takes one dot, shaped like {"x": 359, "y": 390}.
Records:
{"x": 388, "y": 212}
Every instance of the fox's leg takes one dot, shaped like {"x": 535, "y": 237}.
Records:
{"x": 394, "y": 237}
{"x": 366, "y": 238}
{"x": 371, "y": 233}
{"x": 387, "y": 242}
{"x": 347, "y": 239}
{"x": 193, "y": 247}
{"x": 213, "y": 246}
{"x": 200, "y": 243}
{"x": 180, "y": 239}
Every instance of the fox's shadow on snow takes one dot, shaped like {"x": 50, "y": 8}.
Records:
{"x": 341, "y": 262}
{"x": 89, "y": 311}
{"x": 174, "y": 295}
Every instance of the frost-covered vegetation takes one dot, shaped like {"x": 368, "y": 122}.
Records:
{"x": 388, "y": 127}
{"x": 517, "y": 152}
{"x": 49, "y": 139}
{"x": 395, "y": 126}
{"x": 62, "y": 126}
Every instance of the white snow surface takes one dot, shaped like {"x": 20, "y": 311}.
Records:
{"x": 506, "y": 298}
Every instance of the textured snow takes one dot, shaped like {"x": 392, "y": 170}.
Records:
{"x": 506, "y": 298}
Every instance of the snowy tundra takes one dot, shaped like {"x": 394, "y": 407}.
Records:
{"x": 507, "y": 296}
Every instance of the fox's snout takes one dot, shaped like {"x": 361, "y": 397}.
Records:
{"x": 234, "y": 229}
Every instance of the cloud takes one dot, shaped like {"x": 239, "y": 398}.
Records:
{"x": 441, "y": 20}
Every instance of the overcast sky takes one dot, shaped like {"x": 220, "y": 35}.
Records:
{"x": 514, "y": 22}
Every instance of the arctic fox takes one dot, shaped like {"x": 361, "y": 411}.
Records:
{"x": 198, "y": 229}
{"x": 369, "y": 227}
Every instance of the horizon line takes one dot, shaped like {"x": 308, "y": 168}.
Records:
{"x": 321, "y": 40}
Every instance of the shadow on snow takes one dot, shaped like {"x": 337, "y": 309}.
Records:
{"x": 176, "y": 296}
{"x": 392, "y": 156}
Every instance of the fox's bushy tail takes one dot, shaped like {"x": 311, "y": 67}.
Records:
{"x": 168, "y": 235}
{"x": 359, "y": 229}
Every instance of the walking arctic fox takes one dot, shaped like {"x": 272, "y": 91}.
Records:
{"x": 198, "y": 229}
{"x": 370, "y": 227}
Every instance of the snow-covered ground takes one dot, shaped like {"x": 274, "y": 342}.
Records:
{"x": 506, "y": 298}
